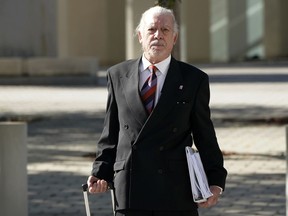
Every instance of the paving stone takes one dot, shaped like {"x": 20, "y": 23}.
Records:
{"x": 65, "y": 123}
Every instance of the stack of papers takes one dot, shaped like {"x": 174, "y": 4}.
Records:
{"x": 198, "y": 178}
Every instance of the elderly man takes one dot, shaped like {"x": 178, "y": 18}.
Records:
{"x": 156, "y": 106}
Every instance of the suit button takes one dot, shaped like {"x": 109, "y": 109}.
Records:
{"x": 160, "y": 171}
{"x": 161, "y": 148}
{"x": 174, "y": 130}
{"x": 126, "y": 127}
{"x": 134, "y": 147}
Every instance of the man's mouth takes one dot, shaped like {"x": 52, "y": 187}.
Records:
{"x": 157, "y": 44}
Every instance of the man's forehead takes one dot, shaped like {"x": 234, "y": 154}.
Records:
{"x": 163, "y": 19}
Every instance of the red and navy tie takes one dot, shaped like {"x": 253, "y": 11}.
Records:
{"x": 148, "y": 91}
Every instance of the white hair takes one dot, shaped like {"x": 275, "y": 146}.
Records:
{"x": 157, "y": 10}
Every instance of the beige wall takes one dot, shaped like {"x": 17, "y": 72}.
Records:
{"x": 27, "y": 28}
{"x": 276, "y": 29}
{"x": 133, "y": 12}
{"x": 221, "y": 30}
{"x": 194, "y": 31}
{"x": 218, "y": 30}
{"x": 92, "y": 28}
{"x": 236, "y": 30}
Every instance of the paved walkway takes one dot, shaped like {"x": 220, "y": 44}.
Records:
{"x": 249, "y": 108}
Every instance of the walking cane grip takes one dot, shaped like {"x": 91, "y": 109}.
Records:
{"x": 85, "y": 187}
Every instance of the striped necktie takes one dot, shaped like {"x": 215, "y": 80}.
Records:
{"x": 148, "y": 91}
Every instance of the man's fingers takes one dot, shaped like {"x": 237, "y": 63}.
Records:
{"x": 104, "y": 185}
{"x": 209, "y": 203}
{"x": 98, "y": 186}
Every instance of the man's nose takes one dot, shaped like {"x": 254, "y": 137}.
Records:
{"x": 158, "y": 34}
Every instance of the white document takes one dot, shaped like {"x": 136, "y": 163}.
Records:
{"x": 198, "y": 178}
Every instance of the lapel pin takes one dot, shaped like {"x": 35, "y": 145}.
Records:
{"x": 181, "y": 87}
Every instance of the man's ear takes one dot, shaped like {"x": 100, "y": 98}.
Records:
{"x": 175, "y": 38}
{"x": 139, "y": 37}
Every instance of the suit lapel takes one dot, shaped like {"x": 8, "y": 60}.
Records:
{"x": 169, "y": 96}
{"x": 170, "y": 91}
{"x": 130, "y": 84}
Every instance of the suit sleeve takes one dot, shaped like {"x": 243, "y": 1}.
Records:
{"x": 205, "y": 138}
{"x": 107, "y": 144}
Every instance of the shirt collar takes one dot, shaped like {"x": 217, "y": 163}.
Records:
{"x": 161, "y": 66}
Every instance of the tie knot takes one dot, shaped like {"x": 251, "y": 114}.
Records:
{"x": 153, "y": 68}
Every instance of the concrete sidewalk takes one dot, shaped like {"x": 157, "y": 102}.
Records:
{"x": 249, "y": 109}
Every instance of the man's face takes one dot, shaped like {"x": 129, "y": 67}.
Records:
{"x": 157, "y": 37}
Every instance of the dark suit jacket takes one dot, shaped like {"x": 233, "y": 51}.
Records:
{"x": 144, "y": 155}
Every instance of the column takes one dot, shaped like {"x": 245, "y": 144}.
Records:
{"x": 276, "y": 31}
{"x": 194, "y": 30}
{"x": 134, "y": 10}
{"x": 219, "y": 31}
{"x": 13, "y": 169}
{"x": 92, "y": 28}
{"x": 228, "y": 30}
{"x": 237, "y": 30}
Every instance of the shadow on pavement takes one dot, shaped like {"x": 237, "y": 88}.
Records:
{"x": 247, "y": 114}
{"x": 62, "y": 141}
{"x": 60, "y": 193}
{"x": 249, "y": 78}
{"x": 253, "y": 194}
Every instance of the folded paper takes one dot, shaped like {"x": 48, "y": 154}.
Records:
{"x": 198, "y": 178}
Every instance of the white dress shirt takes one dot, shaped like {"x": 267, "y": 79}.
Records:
{"x": 144, "y": 73}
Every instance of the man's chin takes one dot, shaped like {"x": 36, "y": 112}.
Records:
{"x": 157, "y": 50}
{"x": 157, "y": 47}
{"x": 156, "y": 56}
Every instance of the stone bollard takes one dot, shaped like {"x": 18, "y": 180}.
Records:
{"x": 286, "y": 170}
{"x": 13, "y": 169}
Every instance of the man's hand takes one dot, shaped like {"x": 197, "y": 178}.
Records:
{"x": 96, "y": 185}
{"x": 213, "y": 200}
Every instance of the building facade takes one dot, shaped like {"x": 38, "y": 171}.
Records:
{"x": 210, "y": 31}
